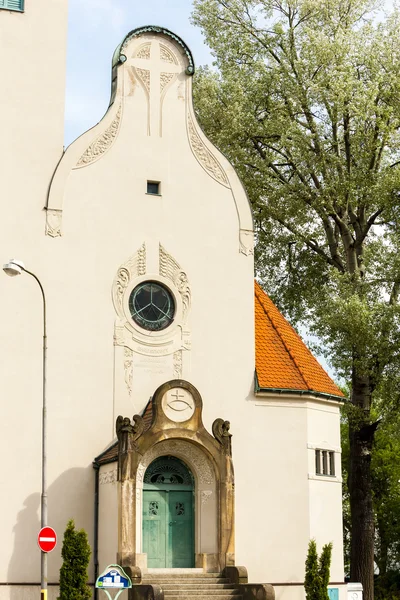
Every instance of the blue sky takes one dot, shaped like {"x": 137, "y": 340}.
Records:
{"x": 95, "y": 29}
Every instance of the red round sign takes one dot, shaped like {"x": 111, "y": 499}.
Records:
{"x": 47, "y": 539}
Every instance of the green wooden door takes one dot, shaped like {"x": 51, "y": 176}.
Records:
{"x": 155, "y": 528}
{"x": 168, "y": 528}
{"x": 180, "y": 551}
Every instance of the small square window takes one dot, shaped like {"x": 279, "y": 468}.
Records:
{"x": 153, "y": 187}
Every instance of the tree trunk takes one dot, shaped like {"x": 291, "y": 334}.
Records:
{"x": 361, "y": 437}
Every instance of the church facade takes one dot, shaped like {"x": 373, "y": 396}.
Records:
{"x": 189, "y": 426}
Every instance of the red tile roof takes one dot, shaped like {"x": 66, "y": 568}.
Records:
{"x": 283, "y": 361}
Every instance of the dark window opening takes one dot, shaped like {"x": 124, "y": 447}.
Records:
{"x": 153, "y": 187}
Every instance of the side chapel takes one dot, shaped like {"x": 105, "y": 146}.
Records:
{"x": 212, "y": 429}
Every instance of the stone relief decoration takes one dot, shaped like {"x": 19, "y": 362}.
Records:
{"x": 178, "y": 405}
{"x": 203, "y": 155}
{"x": 246, "y": 241}
{"x": 221, "y": 433}
{"x": 128, "y": 366}
{"x": 170, "y": 269}
{"x": 127, "y": 433}
{"x": 177, "y": 364}
{"x": 144, "y": 77}
{"x": 134, "y": 267}
{"x": 165, "y": 79}
{"x": 143, "y": 51}
{"x": 167, "y": 55}
{"x": 120, "y": 57}
{"x": 109, "y": 477}
{"x": 101, "y": 144}
{"x": 53, "y": 223}
{"x": 205, "y": 496}
{"x": 190, "y": 454}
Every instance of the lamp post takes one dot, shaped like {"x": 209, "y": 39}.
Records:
{"x": 12, "y": 268}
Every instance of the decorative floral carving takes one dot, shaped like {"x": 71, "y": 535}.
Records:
{"x": 192, "y": 455}
{"x": 108, "y": 477}
{"x": 167, "y": 56}
{"x": 144, "y": 76}
{"x": 144, "y": 52}
{"x": 246, "y": 242}
{"x": 171, "y": 269}
{"x": 128, "y": 364}
{"x": 53, "y": 223}
{"x": 102, "y": 143}
{"x": 204, "y": 156}
{"x": 134, "y": 267}
{"x": 153, "y": 508}
{"x": 119, "y": 336}
{"x": 140, "y": 473}
{"x": 165, "y": 79}
{"x": 177, "y": 364}
{"x": 205, "y": 496}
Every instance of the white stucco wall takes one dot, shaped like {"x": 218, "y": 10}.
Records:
{"x": 203, "y": 221}
{"x": 108, "y": 516}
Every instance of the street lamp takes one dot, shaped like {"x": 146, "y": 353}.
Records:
{"x": 12, "y": 268}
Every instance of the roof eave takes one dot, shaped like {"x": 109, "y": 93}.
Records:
{"x": 260, "y": 391}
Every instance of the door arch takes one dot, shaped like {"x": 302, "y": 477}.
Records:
{"x": 168, "y": 514}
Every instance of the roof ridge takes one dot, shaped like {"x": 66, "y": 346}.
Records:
{"x": 287, "y": 347}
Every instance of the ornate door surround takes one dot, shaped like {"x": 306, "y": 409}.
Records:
{"x": 177, "y": 430}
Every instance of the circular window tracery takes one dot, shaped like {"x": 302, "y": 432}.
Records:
{"x": 152, "y": 306}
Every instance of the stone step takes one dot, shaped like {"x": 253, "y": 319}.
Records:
{"x": 196, "y": 592}
{"x": 173, "y": 574}
{"x": 205, "y": 597}
{"x": 186, "y": 581}
{"x": 195, "y": 585}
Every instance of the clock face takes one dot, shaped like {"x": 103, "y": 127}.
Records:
{"x": 178, "y": 405}
{"x": 152, "y": 306}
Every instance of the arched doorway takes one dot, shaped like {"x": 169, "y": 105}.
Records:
{"x": 168, "y": 519}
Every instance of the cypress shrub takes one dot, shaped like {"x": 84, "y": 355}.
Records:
{"x": 73, "y": 573}
{"x": 317, "y": 572}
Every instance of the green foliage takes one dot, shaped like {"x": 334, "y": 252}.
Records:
{"x": 73, "y": 573}
{"x": 317, "y": 572}
{"x": 303, "y": 100}
{"x": 385, "y": 468}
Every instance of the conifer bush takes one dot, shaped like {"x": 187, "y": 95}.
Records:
{"x": 73, "y": 573}
{"x": 317, "y": 572}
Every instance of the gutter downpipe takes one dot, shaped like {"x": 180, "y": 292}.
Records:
{"x": 96, "y": 467}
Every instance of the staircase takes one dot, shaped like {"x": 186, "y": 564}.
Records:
{"x": 192, "y": 584}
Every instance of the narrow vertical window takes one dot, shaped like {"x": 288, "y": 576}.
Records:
{"x": 325, "y": 462}
{"x": 331, "y": 463}
{"x": 318, "y": 462}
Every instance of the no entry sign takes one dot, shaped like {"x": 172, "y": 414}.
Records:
{"x": 47, "y": 539}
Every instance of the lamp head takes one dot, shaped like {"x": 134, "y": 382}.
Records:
{"x": 14, "y": 267}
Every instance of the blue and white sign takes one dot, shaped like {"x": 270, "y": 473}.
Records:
{"x": 114, "y": 577}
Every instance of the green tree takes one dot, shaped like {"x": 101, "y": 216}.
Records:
{"x": 73, "y": 573}
{"x": 385, "y": 470}
{"x": 304, "y": 101}
{"x": 317, "y": 572}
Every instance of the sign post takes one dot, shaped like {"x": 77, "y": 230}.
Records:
{"x": 115, "y": 578}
